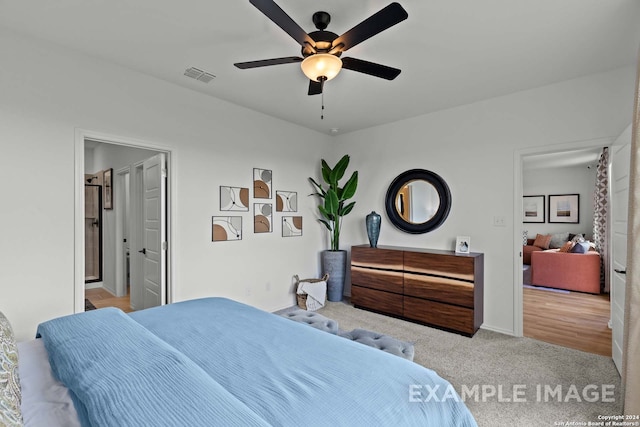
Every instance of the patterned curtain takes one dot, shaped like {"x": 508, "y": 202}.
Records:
{"x": 601, "y": 216}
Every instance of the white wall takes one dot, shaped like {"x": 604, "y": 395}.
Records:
{"x": 215, "y": 143}
{"x": 472, "y": 147}
{"x": 48, "y": 93}
{"x": 570, "y": 180}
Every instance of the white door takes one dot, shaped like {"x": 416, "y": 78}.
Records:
{"x": 155, "y": 239}
{"x": 620, "y": 159}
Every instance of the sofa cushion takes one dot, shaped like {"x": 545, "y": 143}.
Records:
{"x": 542, "y": 241}
{"x": 567, "y": 247}
{"x": 558, "y": 239}
{"x": 580, "y": 248}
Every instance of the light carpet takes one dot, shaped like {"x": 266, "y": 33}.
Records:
{"x": 493, "y": 361}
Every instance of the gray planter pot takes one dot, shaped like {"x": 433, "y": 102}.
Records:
{"x": 334, "y": 263}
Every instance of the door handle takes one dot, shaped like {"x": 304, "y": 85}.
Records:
{"x": 620, "y": 271}
{"x": 143, "y": 251}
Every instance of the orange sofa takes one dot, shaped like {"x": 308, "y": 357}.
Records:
{"x": 566, "y": 270}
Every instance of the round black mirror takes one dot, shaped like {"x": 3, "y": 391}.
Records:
{"x": 418, "y": 201}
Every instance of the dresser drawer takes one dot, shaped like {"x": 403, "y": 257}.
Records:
{"x": 379, "y": 258}
{"x": 439, "y": 314}
{"x": 385, "y": 302}
{"x": 383, "y": 280}
{"x": 441, "y": 289}
{"x": 454, "y": 266}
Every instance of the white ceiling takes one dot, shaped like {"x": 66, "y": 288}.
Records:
{"x": 450, "y": 52}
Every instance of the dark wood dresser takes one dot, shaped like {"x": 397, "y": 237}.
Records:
{"x": 434, "y": 287}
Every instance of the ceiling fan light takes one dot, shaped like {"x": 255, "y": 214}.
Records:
{"x": 321, "y": 65}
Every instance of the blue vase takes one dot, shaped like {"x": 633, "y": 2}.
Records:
{"x": 373, "y": 228}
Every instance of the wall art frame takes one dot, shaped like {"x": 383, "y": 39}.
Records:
{"x": 234, "y": 199}
{"x": 564, "y": 208}
{"x": 291, "y": 226}
{"x": 262, "y": 179}
{"x": 463, "y": 244}
{"x": 286, "y": 201}
{"x": 533, "y": 209}
{"x": 262, "y": 217}
{"x": 226, "y": 228}
{"x": 107, "y": 188}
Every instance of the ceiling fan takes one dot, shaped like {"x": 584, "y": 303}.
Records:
{"x": 321, "y": 50}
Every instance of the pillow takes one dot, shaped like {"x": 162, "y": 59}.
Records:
{"x": 580, "y": 248}
{"x": 10, "y": 398}
{"x": 566, "y": 247}
{"x": 542, "y": 241}
{"x": 558, "y": 239}
{"x": 576, "y": 238}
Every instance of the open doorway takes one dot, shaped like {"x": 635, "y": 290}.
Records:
{"x": 134, "y": 264}
{"x": 545, "y": 310}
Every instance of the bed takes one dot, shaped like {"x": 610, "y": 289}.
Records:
{"x": 217, "y": 362}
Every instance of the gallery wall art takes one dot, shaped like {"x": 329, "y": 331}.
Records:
{"x": 238, "y": 198}
{"x": 286, "y": 201}
{"x": 262, "y": 217}
{"x": 226, "y": 228}
{"x": 291, "y": 226}
{"x": 234, "y": 199}
{"x": 262, "y": 183}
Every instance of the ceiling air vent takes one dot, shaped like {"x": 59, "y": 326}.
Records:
{"x": 198, "y": 74}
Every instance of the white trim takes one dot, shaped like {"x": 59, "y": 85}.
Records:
{"x": 119, "y": 191}
{"x": 518, "y": 157}
{"x": 171, "y": 158}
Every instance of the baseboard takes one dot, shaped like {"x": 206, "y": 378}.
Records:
{"x": 93, "y": 285}
{"x": 499, "y": 330}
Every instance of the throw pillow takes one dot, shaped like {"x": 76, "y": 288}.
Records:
{"x": 580, "y": 248}
{"x": 542, "y": 241}
{"x": 558, "y": 239}
{"x": 576, "y": 238}
{"x": 10, "y": 399}
{"x": 566, "y": 247}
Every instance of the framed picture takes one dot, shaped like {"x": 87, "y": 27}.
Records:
{"x": 262, "y": 218}
{"x": 225, "y": 228}
{"x": 291, "y": 226}
{"x": 564, "y": 208}
{"x": 262, "y": 183}
{"x": 107, "y": 188}
{"x": 533, "y": 209}
{"x": 286, "y": 201}
{"x": 463, "y": 244}
{"x": 234, "y": 198}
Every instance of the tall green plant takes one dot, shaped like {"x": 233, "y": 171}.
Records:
{"x": 333, "y": 197}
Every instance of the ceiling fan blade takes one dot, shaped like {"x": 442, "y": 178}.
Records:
{"x": 315, "y": 88}
{"x": 267, "y": 62}
{"x": 376, "y": 23}
{"x": 370, "y": 68}
{"x": 284, "y": 21}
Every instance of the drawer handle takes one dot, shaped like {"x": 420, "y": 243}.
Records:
{"x": 620, "y": 271}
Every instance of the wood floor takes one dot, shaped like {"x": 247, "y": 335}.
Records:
{"x": 574, "y": 320}
{"x": 101, "y": 298}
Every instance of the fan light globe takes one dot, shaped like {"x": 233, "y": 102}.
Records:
{"x": 321, "y": 65}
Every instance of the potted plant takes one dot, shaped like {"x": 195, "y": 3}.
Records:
{"x": 332, "y": 208}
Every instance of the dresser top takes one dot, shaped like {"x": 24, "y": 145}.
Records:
{"x": 422, "y": 250}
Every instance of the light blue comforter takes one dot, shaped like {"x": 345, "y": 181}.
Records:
{"x": 231, "y": 364}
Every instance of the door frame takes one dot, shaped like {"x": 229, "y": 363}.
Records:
{"x": 80, "y": 136}
{"x": 518, "y": 157}
{"x": 121, "y": 217}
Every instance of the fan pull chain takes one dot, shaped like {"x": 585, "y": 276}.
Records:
{"x": 322, "y": 109}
